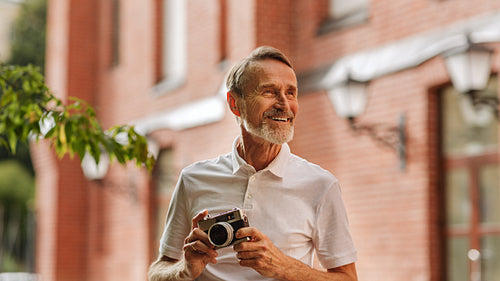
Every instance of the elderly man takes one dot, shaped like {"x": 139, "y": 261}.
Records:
{"x": 294, "y": 208}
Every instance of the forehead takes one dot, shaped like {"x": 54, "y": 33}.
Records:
{"x": 272, "y": 72}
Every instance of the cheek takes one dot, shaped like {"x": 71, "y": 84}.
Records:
{"x": 294, "y": 107}
{"x": 255, "y": 106}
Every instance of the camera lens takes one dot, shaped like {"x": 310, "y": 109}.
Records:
{"x": 220, "y": 234}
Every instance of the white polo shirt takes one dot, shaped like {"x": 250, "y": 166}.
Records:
{"x": 297, "y": 204}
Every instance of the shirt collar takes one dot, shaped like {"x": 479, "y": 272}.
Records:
{"x": 277, "y": 166}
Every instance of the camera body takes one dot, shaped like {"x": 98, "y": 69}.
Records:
{"x": 221, "y": 228}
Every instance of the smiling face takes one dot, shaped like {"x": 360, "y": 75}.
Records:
{"x": 270, "y": 105}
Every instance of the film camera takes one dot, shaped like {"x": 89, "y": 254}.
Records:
{"x": 221, "y": 228}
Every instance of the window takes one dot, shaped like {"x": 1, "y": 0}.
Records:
{"x": 222, "y": 30}
{"x": 471, "y": 229}
{"x": 115, "y": 30}
{"x": 171, "y": 47}
{"x": 345, "y": 13}
{"x": 164, "y": 178}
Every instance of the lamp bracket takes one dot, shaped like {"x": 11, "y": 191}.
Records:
{"x": 391, "y": 136}
{"x": 481, "y": 100}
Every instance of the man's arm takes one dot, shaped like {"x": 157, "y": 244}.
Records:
{"x": 348, "y": 270}
{"x": 198, "y": 252}
{"x": 166, "y": 269}
{"x": 301, "y": 271}
{"x": 261, "y": 255}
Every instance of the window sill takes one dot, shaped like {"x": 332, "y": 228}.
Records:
{"x": 168, "y": 85}
{"x": 336, "y": 24}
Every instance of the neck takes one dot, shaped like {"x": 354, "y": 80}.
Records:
{"x": 256, "y": 151}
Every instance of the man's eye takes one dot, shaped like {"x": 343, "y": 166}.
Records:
{"x": 268, "y": 92}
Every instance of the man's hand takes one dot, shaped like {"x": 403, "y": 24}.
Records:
{"x": 260, "y": 253}
{"x": 198, "y": 251}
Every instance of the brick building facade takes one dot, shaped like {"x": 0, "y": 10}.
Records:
{"x": 161, "y": 64}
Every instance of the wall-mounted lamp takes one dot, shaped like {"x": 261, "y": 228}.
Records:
{"x": 469, "y": 67}
{"x": 349, "y": 101}
{"x": 92, "y": 170}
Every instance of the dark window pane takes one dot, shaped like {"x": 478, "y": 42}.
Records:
{"x": 490, "y": 258}
{"x": 458, "y": 207}
{"x": 458, "y": 266}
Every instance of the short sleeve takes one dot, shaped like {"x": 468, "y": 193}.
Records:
{"x": 177, "y": 224}
{"x": 332, "y": 239}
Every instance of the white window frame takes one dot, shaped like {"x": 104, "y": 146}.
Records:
{"x": 345, "y": 13}
{"x": 339, "y": 9}
{"x": 174, "y": 46}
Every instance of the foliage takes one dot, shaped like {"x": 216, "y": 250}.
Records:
{"x": 28, "y": 34}
{"x": 17, "y": 186}
{"x": 17, "y": 191}
{"x": 22, "y": 156}
{"x": 10, "y": 264}
{"x": 29, "y": 110}
{"x": 27, "y": 47}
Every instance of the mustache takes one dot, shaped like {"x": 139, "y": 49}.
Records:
{"x": 279, "y": 113}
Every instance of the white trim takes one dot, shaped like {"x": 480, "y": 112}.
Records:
{"x": 19, "y": 276}
{"x": 344, "y": 8}
{"x": 194, "y": 114}
{"x": 168, "y": 84}
{"x": 411, "y": 51}
{"x": 174, "y": 36}
{"x": 14, "y": 1}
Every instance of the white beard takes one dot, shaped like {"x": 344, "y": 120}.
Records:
{"x": 266, "y": 132}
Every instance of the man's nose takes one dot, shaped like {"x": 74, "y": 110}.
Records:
{"x": 282, "y": 102}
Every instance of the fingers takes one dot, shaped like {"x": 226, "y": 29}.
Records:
{"x": 201, "y": 215}
{"x": 197, "y": 244}
{"x": 257, "y": 262}
{"x": 197, "y": 234}
{"x": 253, "y": 233}
{"x": 249, "y": 255}
{"x": 198, "y": 249}
{"x": 259, "y": 253}
{"x": 258, "y": 241}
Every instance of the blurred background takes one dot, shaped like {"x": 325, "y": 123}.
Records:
{"x": 398, "y": 99}
{"x": 22, "y": 42}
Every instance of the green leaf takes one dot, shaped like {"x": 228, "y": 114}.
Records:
{"x": 27, "y": 105}
{"x": 12, "y": 142}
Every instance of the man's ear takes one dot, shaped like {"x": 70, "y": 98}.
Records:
{"x": 231, "y": 101}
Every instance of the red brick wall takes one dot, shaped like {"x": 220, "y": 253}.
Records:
{"x": 389, "y": 20}
{"x": 103, "y": 230}
{"x": 61, "y": 189}
{"x": 275, "y": 24}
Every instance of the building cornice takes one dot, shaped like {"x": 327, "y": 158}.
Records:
{"x": 402, "y": 54}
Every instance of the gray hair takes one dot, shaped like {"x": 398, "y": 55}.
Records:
{"x": 240, "y": 74}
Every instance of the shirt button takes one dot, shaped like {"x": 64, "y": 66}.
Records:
{"x": 249, "y": 196}
{"x": 252, "y": 178}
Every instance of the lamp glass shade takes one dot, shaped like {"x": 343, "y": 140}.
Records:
{"x": 349, "y": 99}
{"x": 93, "y": 170}
{"x": 469, "y": 69}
